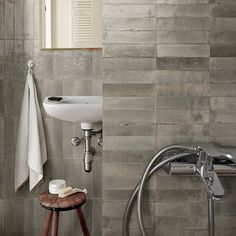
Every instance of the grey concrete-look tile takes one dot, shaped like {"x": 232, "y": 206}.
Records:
{"x": 183, "y": 24}
{"x": 223, "y": 76}
{"x": 1, "y": 138}
{"x": 184, "y": 10}
{"x": 19, "y": 19}
{"x": 28, "y": 19}
{"x": 2, "y": 217}
{"x": 127, "y": 23}
{"x": 53, "y": 135}
{"x": 191, "y": 103}
{"x": 72, "y": 64}
{"x": 9, "y": 19}
{"x": 169, "y": 37}
{"x": 122, "y": 10}
{"x": 128, "y": 90}
{"x": 2, "y": 26}
{"x": 226, "y": 10}
{"x": 14, "y": 217}
{"x": 115, "y": 177}
{"x": 181, "y": 63}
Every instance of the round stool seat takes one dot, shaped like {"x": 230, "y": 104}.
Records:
{"x": 55, "y": 203}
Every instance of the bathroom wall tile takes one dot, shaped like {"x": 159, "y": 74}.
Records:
{"x": 223, "y": 90}
{"x": 182, "y": 129}
{"x": 222, "y": 63}
{"x": 194, "y": 103}
{"x": 72, "y": 64}
{"x": 2, "y": 45}
{"x": 112, "y": 215}
{"x": 128, "y": 90}
{"x": 19, "y": 19}
{"x": 1, "y": 138}
{"x": 128, "y": 1}
{"x": 9, "y": 65}
{"x": 223, "y": 76}
{"x": 43, "y": 65}
{"x": 136, "y": 10}
{"x": 180, "y": 209}
{"x": 166, "y": 196}
{"x": 97, "y": 178}
{"x": 129, "y": 143}
{"x": 129, "y": 128}
{"x": 223, "y": 50}
{"x": 2, "y": 26}
{"x": 183, "y": 50}
{"x": 12, "y": 105}
{"x": 36, "y": 26}
{"x": 125, "y": 37}
{"x": 184, "y": 10}
{"x": 182, "y": 37}
{"x": 128, "y": 116}
{"x": 78, "y": 87}
{"x": 53, "y": 135}
{"x": 226, "y": 10}
{"x": 127, "y": 23}
{"x": 28, "y": 219}
{"x": 115, "y": 64}
{"x": 127, "y": 156}
{"x": 20, "y": 64}
{"x": 2, "y": 182}
{"x": 96, "y": 217}
{"x": 223, "y": 38}
{"x": 176, "y": 77}
{"x": 223, "y": 24}
{"x": 9, "y": 19}
{"x": 28, "y": 19}
{"x": 129, "y": 77}
{"x": 181, "y": 63}
{"x": 222, "y": 130}
{"x": 186, "y": 89}
{"x": 182, "y": 24}
{"x": 174, "y": 116}
{"x": 182, "y": 1}
{"x": 111, "y": 50}
{"x": 116, "y": 177}
{"x": 2, "y": 217}
{"x": 14, "y": 217}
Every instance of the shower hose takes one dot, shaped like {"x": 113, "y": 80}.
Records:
{"x": 163, "y": 157}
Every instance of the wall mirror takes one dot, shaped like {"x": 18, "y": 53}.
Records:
{"x": 70, "y": 24}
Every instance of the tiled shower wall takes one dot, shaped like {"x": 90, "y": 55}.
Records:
{"x": 60, "y": 72}
{"x": 170, "y": 77}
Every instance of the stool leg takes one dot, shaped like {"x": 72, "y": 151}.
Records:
{"x": 47, "y": 223}
{"x": 55, "y": 220}
{"x": 82, "y": 222}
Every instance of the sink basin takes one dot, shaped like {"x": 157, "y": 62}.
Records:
{"x": 84, "y": 109}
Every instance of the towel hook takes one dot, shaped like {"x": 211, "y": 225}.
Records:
{"x": 30, "y": 64}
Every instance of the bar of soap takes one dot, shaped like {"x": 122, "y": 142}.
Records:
{"x": 73, "y": 191}
{"x": 65, "y": 190}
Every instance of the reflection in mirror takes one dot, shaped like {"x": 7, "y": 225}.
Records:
{"x": 71, "y": 24}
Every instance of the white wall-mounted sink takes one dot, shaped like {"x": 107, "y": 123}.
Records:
{"x": 84, "y": 109}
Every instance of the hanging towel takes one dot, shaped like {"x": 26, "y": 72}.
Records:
{"x": 31, "y": 151}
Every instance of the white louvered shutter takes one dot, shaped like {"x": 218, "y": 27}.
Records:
{"x": 86, "y": 23}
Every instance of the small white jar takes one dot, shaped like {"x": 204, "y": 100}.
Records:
{"x": 56, "y": 185}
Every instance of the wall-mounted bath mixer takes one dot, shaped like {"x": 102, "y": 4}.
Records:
{"x": 89, "y": 151}
{"x": 204, "y": 155}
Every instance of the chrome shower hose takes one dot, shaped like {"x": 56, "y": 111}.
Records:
{"x": 163, "y": 157}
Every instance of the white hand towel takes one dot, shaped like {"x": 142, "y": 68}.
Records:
{"x": 31, "y": 153}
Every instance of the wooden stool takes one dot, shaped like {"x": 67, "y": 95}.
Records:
{"x": 54, "y": 205}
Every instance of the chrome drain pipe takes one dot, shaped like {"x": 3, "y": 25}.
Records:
{"x": 88, "y": 151}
